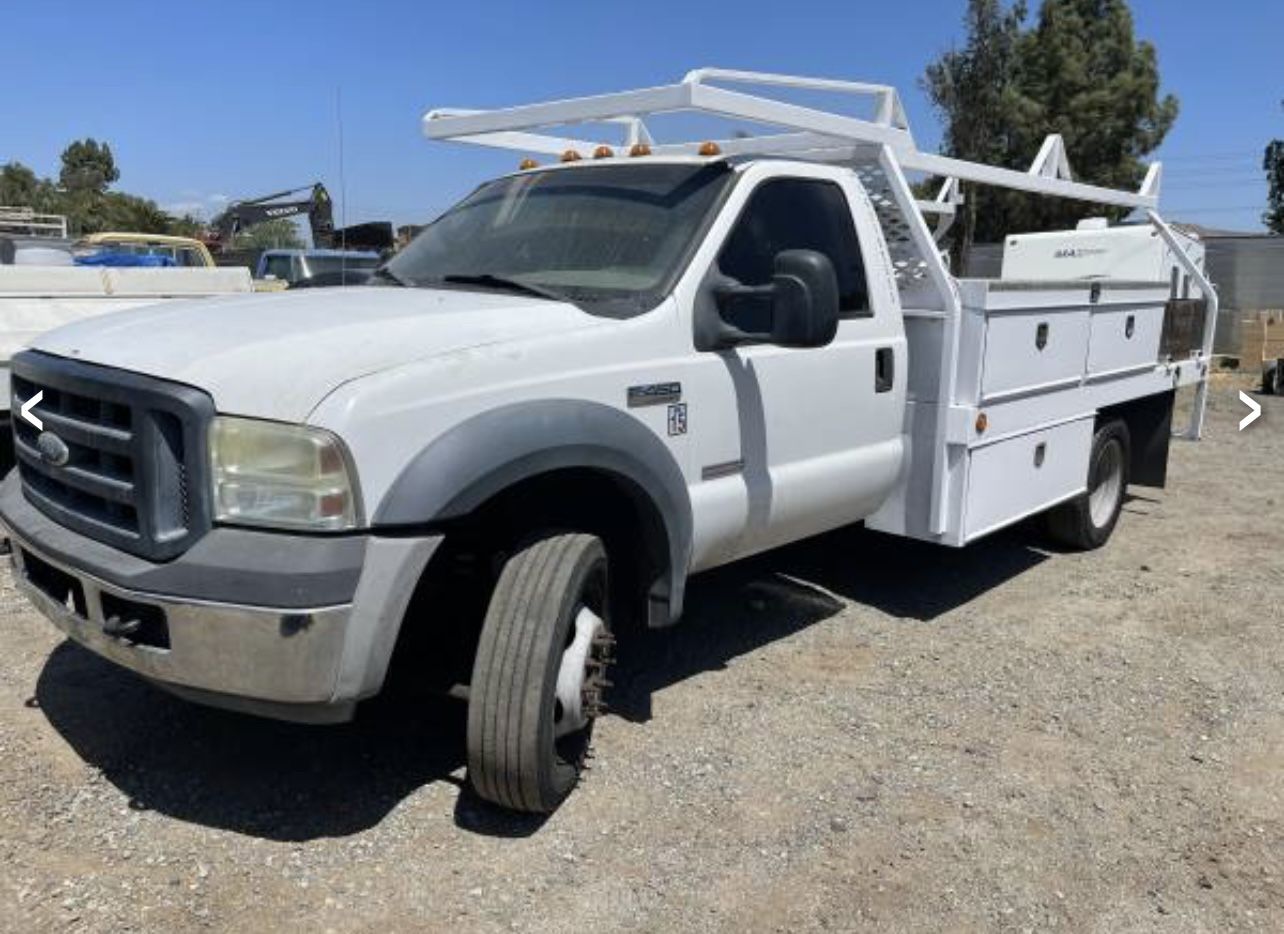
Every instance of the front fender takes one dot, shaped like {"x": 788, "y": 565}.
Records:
{"x": 490, "y": 452}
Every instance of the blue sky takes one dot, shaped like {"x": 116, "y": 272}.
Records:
{"x": 202, "y": 101}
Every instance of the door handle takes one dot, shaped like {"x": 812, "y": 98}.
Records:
{"x": 884, "y": 369}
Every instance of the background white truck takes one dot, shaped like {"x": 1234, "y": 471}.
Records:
{"x": 39, "y": 298}
{"x": 580, "y": 386}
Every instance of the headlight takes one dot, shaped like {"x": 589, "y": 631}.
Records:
{"x": 279, "y": 475}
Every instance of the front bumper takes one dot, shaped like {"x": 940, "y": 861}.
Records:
{"x": 291, "y": 657}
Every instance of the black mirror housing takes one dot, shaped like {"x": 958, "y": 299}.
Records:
{"x": 804, "y": 300}
{"x": 798, "y": 309}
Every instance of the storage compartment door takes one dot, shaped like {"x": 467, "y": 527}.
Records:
{"x": 1124, "y": 339}
{"x": 1030, "y": 351}
{"x": 1017, "y": 477}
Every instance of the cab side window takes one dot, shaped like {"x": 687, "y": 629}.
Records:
{"x": 278, "y": 267}
{"x": 798, "y": 214}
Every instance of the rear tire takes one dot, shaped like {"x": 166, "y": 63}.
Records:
{"x": 529, "y": 719}
{"x": 1087, "y": 521}
{"x": 8, "y": 459}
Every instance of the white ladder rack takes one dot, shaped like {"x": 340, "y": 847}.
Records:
{"x": 804, "y": 132}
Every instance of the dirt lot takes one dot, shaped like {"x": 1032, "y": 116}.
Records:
{"x": 853, "y": 733}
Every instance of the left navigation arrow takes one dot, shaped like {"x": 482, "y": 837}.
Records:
{"x": 26, "y": 410}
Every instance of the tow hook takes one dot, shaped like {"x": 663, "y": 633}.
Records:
{"x": 120, "y": 628}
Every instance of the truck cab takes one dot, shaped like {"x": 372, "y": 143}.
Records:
{"x": 184, "y": 252}
{"x": 326, "y": 267}
{"x": 578, "y": 387}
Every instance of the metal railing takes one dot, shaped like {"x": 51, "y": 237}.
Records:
{"x": 25, "y": 222}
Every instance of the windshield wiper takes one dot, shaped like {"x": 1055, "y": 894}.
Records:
{"x": 383, "y": 272}
{"x": 488, "y": 280}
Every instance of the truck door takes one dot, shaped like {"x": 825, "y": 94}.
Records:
{"x": 807, "y": 439}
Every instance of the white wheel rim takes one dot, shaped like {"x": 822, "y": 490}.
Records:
{"x": 573, "y": 672}
{"x": 1107, "y": 474}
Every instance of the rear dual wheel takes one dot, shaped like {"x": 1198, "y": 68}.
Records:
{"x": 1087, "y": 521}
{"x": 539, "y": 672}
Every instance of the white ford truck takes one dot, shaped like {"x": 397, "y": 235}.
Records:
{"x": 583, "y": 384}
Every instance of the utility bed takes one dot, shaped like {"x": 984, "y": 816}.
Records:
{"x": 1036, "y": 363}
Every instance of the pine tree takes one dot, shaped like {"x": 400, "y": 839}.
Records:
{"x": 1273, "y": 163}
{"x": 973, "y": 89}
{"x": 1083, "y": 74}
{"x": 1080, "y": 72}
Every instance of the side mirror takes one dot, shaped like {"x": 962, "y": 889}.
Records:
{"x": 800, "y": 305}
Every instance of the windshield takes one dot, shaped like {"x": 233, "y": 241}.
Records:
{"x": 611, "y": 239}
{"x": 318, "y": 265}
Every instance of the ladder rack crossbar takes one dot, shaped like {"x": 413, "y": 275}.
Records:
{"x": 805, "y": 132}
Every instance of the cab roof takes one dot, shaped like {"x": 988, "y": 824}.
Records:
{"x": 116, "y": 236}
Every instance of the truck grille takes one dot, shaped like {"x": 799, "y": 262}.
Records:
{"x": 135, "y": 452}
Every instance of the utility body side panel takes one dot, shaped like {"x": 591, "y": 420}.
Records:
{"x": 1026, "y": 474}
{"x": 1038, "y": 363}
{"x": 1033, "y": 351}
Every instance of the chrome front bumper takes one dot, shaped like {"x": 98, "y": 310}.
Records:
{"x": 294, "y": 662}
{"x": 284, "y": 658}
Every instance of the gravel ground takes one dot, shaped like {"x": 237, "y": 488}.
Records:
{"x": 853, "y": 733}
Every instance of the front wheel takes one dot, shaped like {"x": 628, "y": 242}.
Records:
{"x": 1086, "y": 521}
{"x": 539, "y": 672}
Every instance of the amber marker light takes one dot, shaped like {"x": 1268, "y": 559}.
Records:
{"x": 603, "y": 152}
{"x": 982, "y": 423}
{"x": 639, "y": 149}
{"x": 710, "y": 148}
{"x": 528, "y": 164}
{"x": 571, "y": 156}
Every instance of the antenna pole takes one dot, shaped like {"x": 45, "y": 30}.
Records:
{"x": 343, "y": 185}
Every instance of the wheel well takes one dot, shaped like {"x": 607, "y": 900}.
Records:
{"x": 1149, "y": 421}
{"x": 606, "y": 504}
{"x": 443, "y": 619}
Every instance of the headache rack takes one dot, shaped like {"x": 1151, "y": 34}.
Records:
{"x": 879, "y": 148}
{"x": 25, "y": 222}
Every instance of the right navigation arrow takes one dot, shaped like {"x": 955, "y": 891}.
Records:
{"x": 1251, "y": 416}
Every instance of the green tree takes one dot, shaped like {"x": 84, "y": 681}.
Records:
{"x": 21, "y": 187}
{"x": 1084, "y": 75}
{"x": 1079, "y": 72}
{"x": 88, "y": 169}
{"x": 279, "y": 234}
{"x": 186, "y": 226}
{"x": 18, "y": 185}
{"x": 1273, "y": 163}
{"x": 86, "y": 211}
{"x": 974, "y": 91}
{"x": 132, "y": 213}
{"x": 88, "y": 165}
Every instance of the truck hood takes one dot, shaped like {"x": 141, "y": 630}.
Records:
{"x": 277, "y": 355}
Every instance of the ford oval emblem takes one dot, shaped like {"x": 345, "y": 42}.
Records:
{"x": 53, "y": 450}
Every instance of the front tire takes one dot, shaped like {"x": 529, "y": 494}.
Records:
{"x": 539, "y": 673}
{"x": 1087, "y": 521}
